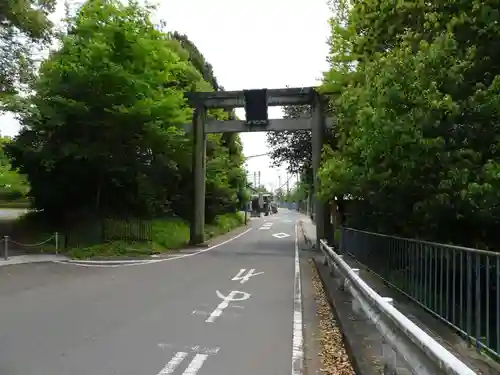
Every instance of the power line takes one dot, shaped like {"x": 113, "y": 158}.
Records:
{"x": 286, "y": 182}
{"x": 256, "y": 156}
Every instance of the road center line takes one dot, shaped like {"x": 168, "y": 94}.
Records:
{"x": 298, "y": 339}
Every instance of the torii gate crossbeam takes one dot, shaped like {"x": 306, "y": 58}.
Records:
{"x": 256, "y": 103}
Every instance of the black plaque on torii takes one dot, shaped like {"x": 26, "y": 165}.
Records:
{"x": 256, "y": 107}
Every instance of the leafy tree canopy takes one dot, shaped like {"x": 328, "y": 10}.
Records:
{"x": 100, "y": 133}
{"x": 25, "y": 23}
{"x": 418, "y": 117}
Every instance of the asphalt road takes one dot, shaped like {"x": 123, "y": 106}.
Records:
{"x": 191, "y": 315}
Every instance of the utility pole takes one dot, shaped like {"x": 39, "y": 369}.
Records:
{"x": 255, "y": 180}
{"x": 259, "y": 178}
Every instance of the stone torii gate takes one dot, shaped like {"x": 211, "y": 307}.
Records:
{"x": 256, "y": 103}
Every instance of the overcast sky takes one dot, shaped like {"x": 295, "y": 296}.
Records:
{"x": 250, "y": 44}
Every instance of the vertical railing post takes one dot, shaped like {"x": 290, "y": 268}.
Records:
{"x": 197, "y": 229}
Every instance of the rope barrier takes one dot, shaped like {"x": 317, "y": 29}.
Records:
{"x": 7, "y": 240}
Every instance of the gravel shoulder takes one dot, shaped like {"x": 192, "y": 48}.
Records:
{"x": 333, "y": 354}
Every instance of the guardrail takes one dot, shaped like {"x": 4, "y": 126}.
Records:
{"x": 458, "y": 285}
{"x": 403, "y": 340}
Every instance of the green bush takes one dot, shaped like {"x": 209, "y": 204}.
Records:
{"x": 168, "y": 234}
{"x": 171, "y": 234}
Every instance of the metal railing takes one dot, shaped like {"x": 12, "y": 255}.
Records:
{"x": 459, "y": 285}
{"x": 402, "y": 339}
{"x": 6, "y": 242}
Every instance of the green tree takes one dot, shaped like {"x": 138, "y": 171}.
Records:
{"x": 12, "y": 184}
{"x": 24, "y": 25}
{"x": 292, "y": 147}
{"x": 101, "y": 131}
{"x": 418, "y": 118}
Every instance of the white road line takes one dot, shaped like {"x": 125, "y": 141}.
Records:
{"x": 298, "y": 339}
{"x": 173, "y": 363}
{"x": 193, "y": 367}
{"x": 195, "y": 364}
{"x": 152, "y": 261}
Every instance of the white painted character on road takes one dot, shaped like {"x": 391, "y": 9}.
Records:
{"x": 231, "y": 297}
{"x": 243, "y": 277}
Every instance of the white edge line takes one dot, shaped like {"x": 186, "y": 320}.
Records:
{"x": 298, "y": 339}
{"x": 140, "y": 263}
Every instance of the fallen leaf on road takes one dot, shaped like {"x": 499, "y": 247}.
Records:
{"x": 334, "y": 358}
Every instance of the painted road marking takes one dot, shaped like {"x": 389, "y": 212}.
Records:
{"x": 298, "y": 339}
{"x": 97, "y": 263}
{"x": 225, "y": 303}
{"x": 194, "y": 348}
{"x": 244, "y": 278}
{"x": 281, "y": 235}
{"x": 192, "y": 368}
{"x": 266, "y": 226}
{"x": 206, "y": 313}
{"x": 195, "y": 364}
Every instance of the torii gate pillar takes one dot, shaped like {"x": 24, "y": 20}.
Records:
{"x": 255, "y": 103}
{"x": 197, "y": 227}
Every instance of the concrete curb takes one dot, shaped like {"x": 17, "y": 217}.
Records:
{"x": 175, "y": 254}
{"x": 26, "y": 259}
{"x": 108, "y": 262}
{"x": 309, "y": 245}
{"x": 307, "y": 240}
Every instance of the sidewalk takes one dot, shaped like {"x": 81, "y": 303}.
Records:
{"x": 364, "y": 339}
{"x": 32, "y": 258}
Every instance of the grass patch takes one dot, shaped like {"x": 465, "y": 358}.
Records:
{"x": 112, "y": 249}
{"x": 167, "y": 234}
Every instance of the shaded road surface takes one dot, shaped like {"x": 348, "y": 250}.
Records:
{"x": 202, "y": 314}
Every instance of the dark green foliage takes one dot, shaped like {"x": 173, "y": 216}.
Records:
{"x": 418, "y": 117}
{"x": 100, "y": 131}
